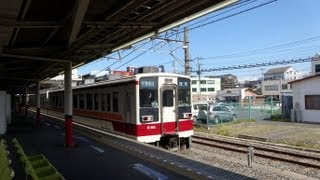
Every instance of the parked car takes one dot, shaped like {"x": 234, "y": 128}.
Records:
{"x": 196, "y": 107}
{"x": 217, "y": 114}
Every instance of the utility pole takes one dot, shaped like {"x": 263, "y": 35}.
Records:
{"x": 199, "y": 72}
{"x": 186, "y": 52}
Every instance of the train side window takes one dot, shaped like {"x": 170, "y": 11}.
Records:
{"x": 89, "y": 101}
{"x": 96, "y": 101}
{"x": 167, "y": 98}
{"x": 115, "y": 100}
{"x": 108, "y": 102}
{"x": 75, "y": 101}
{"x": 103, "y": 102}
{"x": 128, "y": 102}
{"x": 60, "y": 100}
{"x": 55, "y": 101}
{"x": 81, "y": 101}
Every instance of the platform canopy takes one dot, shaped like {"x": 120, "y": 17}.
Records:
{"x": 38, "y": 37}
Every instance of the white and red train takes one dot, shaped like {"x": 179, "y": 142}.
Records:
{"x": 147, "y": 107}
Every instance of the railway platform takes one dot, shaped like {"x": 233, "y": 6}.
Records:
{"x": 102, "y": 157}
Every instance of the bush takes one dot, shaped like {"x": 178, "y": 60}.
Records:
{"x": 238, "y": 121}
{"x": 223, "y": 130}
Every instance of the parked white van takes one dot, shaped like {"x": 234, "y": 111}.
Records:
{"x": 196, "y": 106}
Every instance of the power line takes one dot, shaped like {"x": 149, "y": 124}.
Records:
{"x": 179, "y": 32}
{"x": 228, "y": 9}
{"x": 271, "y": 63}
{"x": 229, "y": 16}
{"x": 263, "y": 49}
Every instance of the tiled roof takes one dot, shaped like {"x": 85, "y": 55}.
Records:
{"x": 305, "y": 78}
{"x": 277, "y": 70}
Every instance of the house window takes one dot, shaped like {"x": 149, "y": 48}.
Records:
{"x": 193, "y": 82}
{"x": 312, "y": 101}
{"x": 317, "y": 68}
{"x": 284, "y": 86}
{"x": 203, "y": 89}
{"x": 210, "y": 82}
{"x": 271, "y": 88}
{"x": 203, "y": 82}
{"x": 194, "y": 89}
{"x": 210, "y": 89}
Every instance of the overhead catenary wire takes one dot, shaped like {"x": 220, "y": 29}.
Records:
{"x": 202, "y": 25}
{"x": 262, "y": 50}
{"x": 270, "y": 63}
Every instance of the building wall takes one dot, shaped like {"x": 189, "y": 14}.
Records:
{"x": 229, "y": 82}
{"x": 237, "y": 95}
{"x": 273, "y": 88}
{"x": 302, "y": 88}
{"x": 290, "y": 74}
{"x": 315, "y": 67}
{"x": 206, "y": 94}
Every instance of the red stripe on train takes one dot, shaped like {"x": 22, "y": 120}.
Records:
{"x": 168, "y": 128}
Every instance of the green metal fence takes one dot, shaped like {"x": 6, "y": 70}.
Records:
{"x": 217, "y": 113}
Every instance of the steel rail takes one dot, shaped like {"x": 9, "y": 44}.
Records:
{"x": 259, "y": 154}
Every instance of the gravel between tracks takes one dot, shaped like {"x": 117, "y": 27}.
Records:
{"x": 305, "y": 135}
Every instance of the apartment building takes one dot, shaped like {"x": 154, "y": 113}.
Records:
{"x": 205, "y": 88}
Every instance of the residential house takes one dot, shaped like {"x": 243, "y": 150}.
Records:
{"x": 228, "y": 81}
{"x": 237, "y": 95}
{"x": 315, "y": 64}
{"x": 306, "y": 99}
{"x": 275, "y": 82}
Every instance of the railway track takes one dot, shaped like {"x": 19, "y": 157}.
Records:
{"x": 263, "y": 151}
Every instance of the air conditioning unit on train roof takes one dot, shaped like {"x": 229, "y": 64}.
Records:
{"x": 146, "y": 69}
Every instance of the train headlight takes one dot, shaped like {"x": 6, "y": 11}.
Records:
{"x": 147, "y": 118}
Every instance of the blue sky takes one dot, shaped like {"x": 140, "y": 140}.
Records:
{"x": 279, "y": 23}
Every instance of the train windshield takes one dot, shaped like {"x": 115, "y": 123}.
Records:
{"x": 148, "y": 91}
{"x": 184, "y": 91}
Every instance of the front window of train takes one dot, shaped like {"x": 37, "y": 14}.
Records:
{"x": 148, "y": 92}
{"x": 184, "y": 92}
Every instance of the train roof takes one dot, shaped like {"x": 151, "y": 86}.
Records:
{"x": 124, "y": 80}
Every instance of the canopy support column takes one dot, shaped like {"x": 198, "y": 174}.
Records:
{"x": 38, "y": 105}
{"x": 68, "y": 103}
{"x": 26, "y": 103}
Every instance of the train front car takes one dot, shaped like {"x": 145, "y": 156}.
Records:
{"x": 164, "y": 110}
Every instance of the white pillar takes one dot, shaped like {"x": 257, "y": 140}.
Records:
{"x": 68, "y": 90}
{"x": 8, "y": 108}
{"x": 38, "y": 94}
{"x": 38, "y": 105}
{"x": 27, "y": 96}
{"x": 3, "y": 122}
{"x": 68, "y": 104}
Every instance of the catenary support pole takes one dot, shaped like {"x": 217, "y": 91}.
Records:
{"x": 38, "y": 105}
{"x": 26, "y": 103}
{"x": 68, "y": 104}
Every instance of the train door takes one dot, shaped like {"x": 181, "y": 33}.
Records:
{"x": 168, "y": 109}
